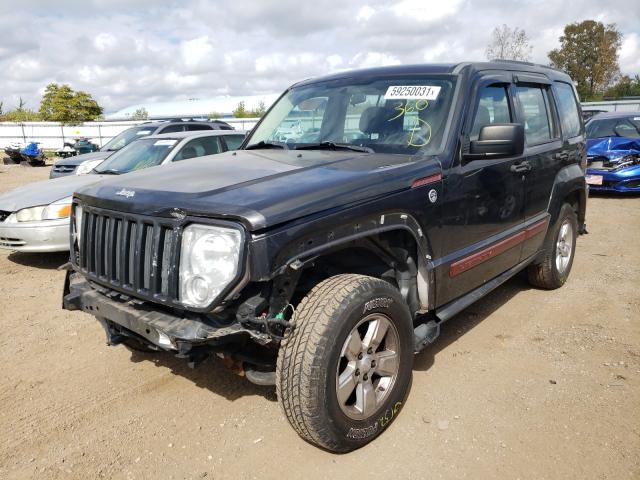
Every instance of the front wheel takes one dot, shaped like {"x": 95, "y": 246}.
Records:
{"x": 343, "y": 374}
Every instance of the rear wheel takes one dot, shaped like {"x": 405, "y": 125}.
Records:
{"x": 560, "y": 246}
{"x": 344, "y": 372}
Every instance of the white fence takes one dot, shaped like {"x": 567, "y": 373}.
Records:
{"x": 52, "y": 135}
{"x": 613, "y": 106}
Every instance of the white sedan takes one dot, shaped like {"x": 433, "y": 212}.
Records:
{"x": 35, "y": 218}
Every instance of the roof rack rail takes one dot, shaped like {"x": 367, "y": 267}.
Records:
{"x": 520, "y": 62}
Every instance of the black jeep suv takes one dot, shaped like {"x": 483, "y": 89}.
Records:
{"x": 364, "y": 210}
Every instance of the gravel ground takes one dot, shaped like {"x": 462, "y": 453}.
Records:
{"x": 524, "y": 384}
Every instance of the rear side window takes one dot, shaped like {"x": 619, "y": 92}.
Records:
{"x": 199, "y": 147}
{"x": 195, "y": 126}
{"x": 172, "y": 129}
{"x": 538, "y": 123}
{"x": 234, "y": 141}
{"x": 567, "y": 109}
{"x": 493, "y": 107}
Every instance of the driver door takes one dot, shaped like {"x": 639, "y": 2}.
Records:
{"x": 484, "y": 211}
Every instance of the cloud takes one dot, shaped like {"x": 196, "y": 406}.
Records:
{"x": 127, "y": 52}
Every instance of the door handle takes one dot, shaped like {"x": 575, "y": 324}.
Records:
{"x": 562, "y": 156}
{"x": 521, "y": 167}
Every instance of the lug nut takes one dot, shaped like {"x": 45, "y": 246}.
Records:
{"x": 373, "y": 363}
{"x": 360, "y": 356}
{"x": 369, "y": 350}
{"x": 365, "y": 377}
{"x": 357, "y": 373}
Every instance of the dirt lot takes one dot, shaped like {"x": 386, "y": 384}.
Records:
{"x": 524, "y": 384}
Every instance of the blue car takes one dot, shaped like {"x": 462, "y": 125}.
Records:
{"x": 613, "y": 152}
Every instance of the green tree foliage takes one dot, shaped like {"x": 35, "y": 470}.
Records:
{"x": 60, "y": 103}
{"x": 215, "y": 115}
{"x": 260, "y": 111}
{"x": 589, "y": 54}
{"x": 20, "y": 114}
{"x": 140, "y": 114}
{"x": 242, "y": 112}
{"x": 625, "y": 87}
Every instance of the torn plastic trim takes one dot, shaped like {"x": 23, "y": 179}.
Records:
{"x": 312, "y": 246}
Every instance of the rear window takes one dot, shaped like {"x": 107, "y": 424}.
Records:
{"x": 567, "y": 109}
{"x": 628, "y": 127}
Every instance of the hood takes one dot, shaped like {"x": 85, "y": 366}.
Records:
{"x": 262, "y": 188}
{"x": 613, "y": 148}
{"x": 45, "y": 192}
{"x": 78, "y": 159}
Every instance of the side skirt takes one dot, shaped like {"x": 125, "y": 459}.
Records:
{"x": 448, "y": 310}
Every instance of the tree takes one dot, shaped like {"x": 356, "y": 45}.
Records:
{"x": 1, "y": 105}
{"x": 624, "y": 87}
{"x": 215, "y": 115}
{"x": 240, "y": 111}
{"x": 260, "y": 110}
{"x": 60, "y": 103}
{"x": 589, "y": 54}
{"x": 21, "y": 114}
{"x": 140, "y": 114}
{"x": 508, "y": 44}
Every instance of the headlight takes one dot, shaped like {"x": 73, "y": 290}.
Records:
{"x": 209, "y": 261}
{"x": 54, "y": 211}
{"x": 86, "y": 167}
{"x": 33, "y": 214}
{"x": 59, "y": 209}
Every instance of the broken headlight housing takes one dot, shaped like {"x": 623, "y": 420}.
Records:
{"x": 209, "y": 262}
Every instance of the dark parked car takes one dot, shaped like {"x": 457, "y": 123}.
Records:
{"x": 322, "y": 262}
{"x": 613, "y": 152}
{"x": 72, "y": 165}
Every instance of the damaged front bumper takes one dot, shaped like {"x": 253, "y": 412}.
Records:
{"x": 123, "y": 316}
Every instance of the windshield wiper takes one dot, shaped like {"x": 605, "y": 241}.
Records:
{"x": 335, "y": 146}
{"x": 108, "y": 172}
{"x": 263, "y": 144}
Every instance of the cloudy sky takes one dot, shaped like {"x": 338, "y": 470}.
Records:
{"x": 128, "y": 52}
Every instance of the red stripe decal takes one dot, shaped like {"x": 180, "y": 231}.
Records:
{"x": 485, "y": 254}
{"x": 421, "y": 182}
{"x": 536, "y": 228}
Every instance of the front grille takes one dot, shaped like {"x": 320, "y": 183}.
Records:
{"x": 136, "y": 255}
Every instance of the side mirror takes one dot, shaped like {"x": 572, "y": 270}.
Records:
{"x": 497, "y": 141}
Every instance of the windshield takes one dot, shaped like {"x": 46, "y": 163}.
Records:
{"x": 144, "y": 153}
{"x": 614, "y": 127}
{"x": 125, "y": 138}
{"x": 401, "y": 115}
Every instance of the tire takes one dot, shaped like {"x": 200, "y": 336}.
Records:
{"x": 316, "y": 354}
{"x": 559, "y": 250}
